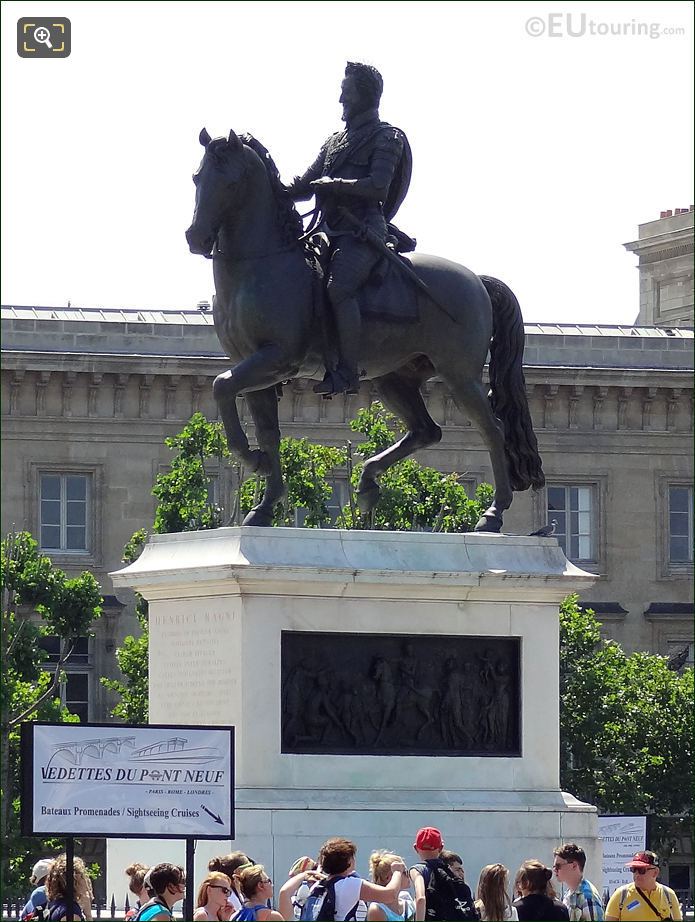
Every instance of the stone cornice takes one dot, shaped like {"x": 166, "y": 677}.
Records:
{"x": 210, "y": 366}
{"x": 666, "y": 242}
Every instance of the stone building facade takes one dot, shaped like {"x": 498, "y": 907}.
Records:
{"x": 665, "y": 251}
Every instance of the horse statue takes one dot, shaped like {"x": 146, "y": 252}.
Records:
{"x": 268, "y": 320}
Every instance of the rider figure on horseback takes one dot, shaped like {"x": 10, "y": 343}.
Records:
{"x": 361, "y": 175}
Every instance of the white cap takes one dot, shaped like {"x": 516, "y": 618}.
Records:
{"x": 41, "y": 869}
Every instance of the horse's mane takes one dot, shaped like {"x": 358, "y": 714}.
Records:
{"x": 290, "y": 222}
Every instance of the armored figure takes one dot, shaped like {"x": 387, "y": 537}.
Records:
{"x": 360, "y": 178}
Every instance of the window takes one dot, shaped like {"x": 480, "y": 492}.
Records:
{"x": 74, "y": 692}
{"x": 680, "y": 524}
{"x": 572, "y": 508}
{"x": 63, "y": 512}
{"x": 339, "y": 498}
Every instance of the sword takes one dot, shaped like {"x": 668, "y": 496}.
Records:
{"x": 375, "y": 241}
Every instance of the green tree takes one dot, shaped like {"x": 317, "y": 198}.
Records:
{"x": 184, "y": 492}
{"x": 626, "y": 723}
{"x": 67, "y": 608}
{"x": 132, "y": 656}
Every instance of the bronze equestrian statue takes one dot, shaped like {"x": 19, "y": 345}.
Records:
{"x": 268, "y": 310}
{"x": 359, "y": 178}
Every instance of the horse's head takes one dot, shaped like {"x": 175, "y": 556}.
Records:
{"x": 218, "y": 177}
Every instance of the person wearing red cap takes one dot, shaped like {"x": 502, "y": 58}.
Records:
{"x": 644, "y": 899}
{"x": 439, "y": 894}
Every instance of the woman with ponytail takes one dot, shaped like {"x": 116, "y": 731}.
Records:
{"x": 534, "y": 904}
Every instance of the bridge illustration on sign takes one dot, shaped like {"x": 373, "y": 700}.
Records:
{"x": 76, "y": 750}
{"x": 171, "y": 751}
{"x": 623, "y": 828}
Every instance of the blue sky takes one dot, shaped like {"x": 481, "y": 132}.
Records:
{"x": 542, "y": 135}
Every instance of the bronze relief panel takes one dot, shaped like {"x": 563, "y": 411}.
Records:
{"x": 392, "y": 694}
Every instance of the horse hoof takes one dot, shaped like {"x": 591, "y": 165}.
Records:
{"x": 491, "y": 523}
{"x": 368, "y": 497}
{"x": 260, "y": 517}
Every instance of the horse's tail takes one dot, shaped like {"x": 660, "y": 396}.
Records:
{"x": 508, "y": 387}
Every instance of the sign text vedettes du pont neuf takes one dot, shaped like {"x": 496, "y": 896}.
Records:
{"x": 164, "y": 775}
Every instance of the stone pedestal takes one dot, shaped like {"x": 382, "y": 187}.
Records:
{"x": 221, "y": 602}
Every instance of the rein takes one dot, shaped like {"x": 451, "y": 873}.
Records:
{"x": 217, "y": 254}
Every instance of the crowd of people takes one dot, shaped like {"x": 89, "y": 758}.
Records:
{"x": 433, "y": 889}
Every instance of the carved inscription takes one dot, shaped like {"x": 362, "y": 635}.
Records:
{"x": 386, "y": 694}
{"x": 190, "y": 671}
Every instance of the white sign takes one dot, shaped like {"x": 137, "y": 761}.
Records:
{"x": 622, "y": 837}
{"x": 118, "y": 780}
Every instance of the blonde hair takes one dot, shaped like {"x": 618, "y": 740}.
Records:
{"x": 56, "y": 882}
{"x": 380, "y": 866}
{"x": 250, "y": 879}
{"x": 215, "y": 877}
{"x": 305, "y": 863}
{"x": 136, "y": 872}
{"x": 493, "y": 900}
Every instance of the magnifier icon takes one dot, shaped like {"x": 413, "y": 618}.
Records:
{"x": 42, "y": 36}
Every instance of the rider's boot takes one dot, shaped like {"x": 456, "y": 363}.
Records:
{"x": 345, "y": 379}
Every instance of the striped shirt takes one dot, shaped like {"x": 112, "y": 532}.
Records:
{"x": 584, "y": 904}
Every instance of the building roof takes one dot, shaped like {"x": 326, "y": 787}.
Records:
{"x": 165, "y": 336}
{"x": 196, "y": 317}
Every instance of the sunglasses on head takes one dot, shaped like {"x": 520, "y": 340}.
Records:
{"x": 221, "y": 887}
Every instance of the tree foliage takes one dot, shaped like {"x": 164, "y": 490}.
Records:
{"x": 184, "y": 492}
{"x": 67, "y": 608}
{"x": 626, "y": 723}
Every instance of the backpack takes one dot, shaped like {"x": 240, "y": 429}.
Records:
{"x": 59, "y": 908}
{"x": 39, "y": 911}
{"x": 447, "y": 897}
{"x": 148, "y": 905}
{"x": 320, "y": 904}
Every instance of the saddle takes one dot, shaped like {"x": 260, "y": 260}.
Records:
{"x": 387, "y": 294}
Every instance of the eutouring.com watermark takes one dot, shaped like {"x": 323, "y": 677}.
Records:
{"x": 579, "y": 25}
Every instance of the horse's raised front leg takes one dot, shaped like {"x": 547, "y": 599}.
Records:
{"x": 401, "y": 394}
{"x": 263, "y": 369}
{"x": 264, "y": 410}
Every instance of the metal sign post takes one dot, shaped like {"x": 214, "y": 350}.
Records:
{"x": 190, "y": 886}
{"x": 69, "y": 876}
